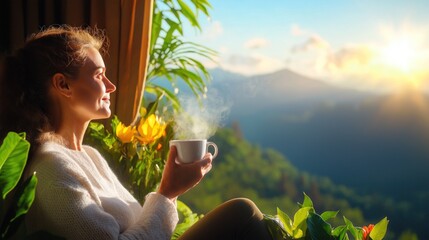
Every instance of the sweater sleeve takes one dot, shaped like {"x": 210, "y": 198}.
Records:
{"x": 66, "y": 207}
{"x": 162, "y": 213}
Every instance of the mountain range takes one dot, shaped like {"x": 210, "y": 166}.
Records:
{"x": 371, "y": 142}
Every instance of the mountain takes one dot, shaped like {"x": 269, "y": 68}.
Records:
{"x": 283, "y": 89}
{"x": 373, "y": 143}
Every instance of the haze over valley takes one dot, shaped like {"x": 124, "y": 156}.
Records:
{"x": 371, "y": 142}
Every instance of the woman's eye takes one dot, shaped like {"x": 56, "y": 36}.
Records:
{"x": 99, "y": 74}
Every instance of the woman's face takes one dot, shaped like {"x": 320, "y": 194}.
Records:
{"x": 91, "y": 90}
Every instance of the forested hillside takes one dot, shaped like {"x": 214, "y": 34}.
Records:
{"x": 268, "y": 178}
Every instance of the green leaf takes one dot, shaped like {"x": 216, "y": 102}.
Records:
{"x": 170, "y": 33}
{"x": 287, "y": 222}
{"x": 22, "y": 201}
{"x": 189, "y": 219}
{"x": 274, "y": 227}
{"x": 379, "y": 230}
{"x": 301, "y": 215}
{"x": 318, "y": 228}
{"x": 26, "y": 196}
{"x": 187, "y": 212}
{"x": 329, "y": 215}
{"x": 13, "y": 157}
{"x": 355, "y": 232}
{"x": 156, "y": 29}
{"x": 114, "y": 123}
{"x": 300, "y": 230}
{"x": 158, "y": 90}
{"x": 307, "y": 201}
{"x": 299, "y": 226}
{"x": 97, "y": 130}
{"x": 202, "y": 5}
{"x": 189, "y": 14}
{"x": 109, "y": 140}
{"x": 340, "y": 232}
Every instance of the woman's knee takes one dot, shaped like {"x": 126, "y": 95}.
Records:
{"x": 244, "y": 206}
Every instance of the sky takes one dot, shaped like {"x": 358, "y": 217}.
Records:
{"x": 379, "y": 46}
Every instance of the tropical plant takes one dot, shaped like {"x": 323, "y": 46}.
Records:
{"x": 136, "y": 153}
{"x": 16, "y": 196}
{"x": 308, "y": 225}
{"x": 173, "y": 58}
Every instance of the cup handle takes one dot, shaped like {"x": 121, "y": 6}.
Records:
{"x": 214, "y": 147}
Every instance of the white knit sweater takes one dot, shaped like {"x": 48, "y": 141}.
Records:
{"x": 79, "y": 197}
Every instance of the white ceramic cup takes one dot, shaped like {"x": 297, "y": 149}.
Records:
{"x": 192, "y": 150}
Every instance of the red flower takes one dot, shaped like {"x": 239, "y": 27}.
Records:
{"x": 366, "y": 231}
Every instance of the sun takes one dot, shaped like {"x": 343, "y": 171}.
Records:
{"x": 400, "y": 54}
{"x": 401, "y": 60}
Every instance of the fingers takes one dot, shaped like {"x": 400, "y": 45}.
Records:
{"x": 172, "y": 156}
{"x": 203, "y": 166}
{"x": 173, "y": 153}
{"x": 206, "y": 169}
{"x": 207, "y": 160}
{"x": 206, "y": 163}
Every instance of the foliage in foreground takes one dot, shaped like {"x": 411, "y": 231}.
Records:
{"x": 306, "y": 224}
{"x": 16, "y": 197}
{"x": 173, "y": 58}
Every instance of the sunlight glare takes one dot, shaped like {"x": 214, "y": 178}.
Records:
{"x": 400, "y": 54}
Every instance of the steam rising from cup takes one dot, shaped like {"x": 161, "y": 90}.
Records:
{"x": 200, "y": 120}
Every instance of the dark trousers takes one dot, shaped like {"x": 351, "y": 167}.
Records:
{"x": 235, "y": 219}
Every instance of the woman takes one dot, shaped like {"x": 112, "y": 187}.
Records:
{"x": 51, "y": 89}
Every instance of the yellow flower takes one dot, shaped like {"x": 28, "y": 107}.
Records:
{"x": 125, "y": 134}
{"x": 150, "y": 129}
{"x": 143, "y": 111}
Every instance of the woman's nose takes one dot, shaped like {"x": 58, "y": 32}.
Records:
{"x": 110, "y": 87}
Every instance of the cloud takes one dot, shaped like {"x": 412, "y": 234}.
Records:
{"x": 256, "y": 43}
{"x": 251, "y": 64}
{"x": 362, "y": 67}
{"x": 313, "y": 42}
{"x": 374, "y": 66}
{"x": 315, "y": 57}
{"x": 351, "y": 59}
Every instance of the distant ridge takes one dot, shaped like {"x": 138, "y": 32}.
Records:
{"x": 367, "y": 141}
{"x": 283, "y": 88}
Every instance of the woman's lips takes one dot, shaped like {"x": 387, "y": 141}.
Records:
{"x": 106, "y": 99}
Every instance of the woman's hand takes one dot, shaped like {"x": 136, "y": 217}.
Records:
{"x": 178, "y": 178}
